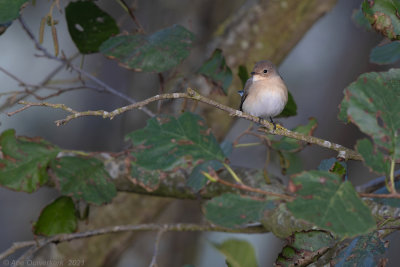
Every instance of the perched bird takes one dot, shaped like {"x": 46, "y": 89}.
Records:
{"x": 265, "y": 93}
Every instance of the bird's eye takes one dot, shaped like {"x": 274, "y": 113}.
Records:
{"x": 265, "y": 71}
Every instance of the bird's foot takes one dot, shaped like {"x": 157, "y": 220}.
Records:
{"x": 270, "y": 118}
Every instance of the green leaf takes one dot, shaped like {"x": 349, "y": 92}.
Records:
{"x": 373, "y": 159}
{"x": 217, "y": 71}
{"x": 232, "y": 210}
{"x": 24, "y": 161}
{"x": 227, "y": 147}
{"x": 333, "y": 165}
{"x": 366, "y": 250}
{"x": 287, "y": 147}
{"x": 343, "y": 106}
{"x": 238, "y": 253}
{"x": 84, "y": 178}
{"x": 167, "y": 142}
{"x": 330, "y": 204}
{"x": 243, "y": 74}
{"x": 89, "y": 26}
{"x": 372, "y": 103}
{"x": 290, "y": 108}
{"x": 359, "y": 18}
{"x": 386, "y": 54}
{"x": 59, "y": 217}
{"x": 383, "y": 17}
{"x": 9, "y": 10}
{"x": 303, "y": 247}
{"x": 290, "y": 163}
{"x": 196, "y": 179}
{"x": 292, "y": 145}
{"x": 158, "y": 52}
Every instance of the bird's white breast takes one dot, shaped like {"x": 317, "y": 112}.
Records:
{"x": 266, "y": 97}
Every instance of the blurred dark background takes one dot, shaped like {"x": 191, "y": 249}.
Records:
{"x": 329, "y": 57}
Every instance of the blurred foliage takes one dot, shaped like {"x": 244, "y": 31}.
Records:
{"x": 324, "y": 200}
{"x": 290, "y": 108}
{"x": 243, "y": 74}
{"x": 359, "y": 18}
{"x": 24, "y": 161}
{"x": 292, "y": 145}
{"x": 366, "y": 250}
{"x": 197, "y": 180}
{"x": 303, "y": 248}
{"x": 233, "y": 210}
{"x": 238, "y": 253}
{"x": 386, "y": 54}
{"x": 334, "y": 165}
{"x": 288, "y": 148}
{"x": 383, "y": 17}
{"x": 84, "y": 178}
{"x": 9, "y": 10}
{"x": 158, "y": 52}
{"x": 59, "y": 217}
{"x": 371, "y": 102}
{"x": 89, "y": 26}
{"x": 167, "y": 142}
{"x": 216, "y": 70}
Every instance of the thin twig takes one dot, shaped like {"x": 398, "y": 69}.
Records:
{"x": 180, "y": 227}
{"x": 78, "y": 69}
{"x": 161, "y": 91}
{"x": 392, "y": 182}
{"x": 16, "y": 246}
{"x": 247, "y": 131}
{"x": 267, "y": 127}
{"x": 42, "y": 83}
{"x": 376, "y": 183}
{"x": 132, "y": 15}
{"x": 372, "y": 195}
{"x": 153, "y": 262}
{"x": 36, "y": 87}
{"x": 252, "y": 189}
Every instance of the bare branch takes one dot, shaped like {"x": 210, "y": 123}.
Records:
{"x": 267, "y": 127}
{"x": 180, "y": 227}
{"x": 132, "y": 15}
{"x": 371, "y": 195}
{"x": 252, "y": 189}
{"x": 31, "y": 89}
{"x": 16, "y": 246}
{"x": 153, "y": 262}
{"x": 78, "y": 69}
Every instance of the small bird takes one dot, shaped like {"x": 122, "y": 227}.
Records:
{"x": 265, "y": 93}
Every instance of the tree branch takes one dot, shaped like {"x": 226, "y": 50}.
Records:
{"x": 132, "y": 15}
{"x": 343, "y": 152}
{"x": 180, "y": 227}
{"x": 153, "y": 262}
{"x": 78, "y": 69}
{"x": 30, "y": 89}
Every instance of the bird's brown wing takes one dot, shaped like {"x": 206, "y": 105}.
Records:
{"x": 244, "y": 93}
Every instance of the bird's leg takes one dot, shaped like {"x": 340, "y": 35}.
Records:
{"x": 270, "y": 118}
